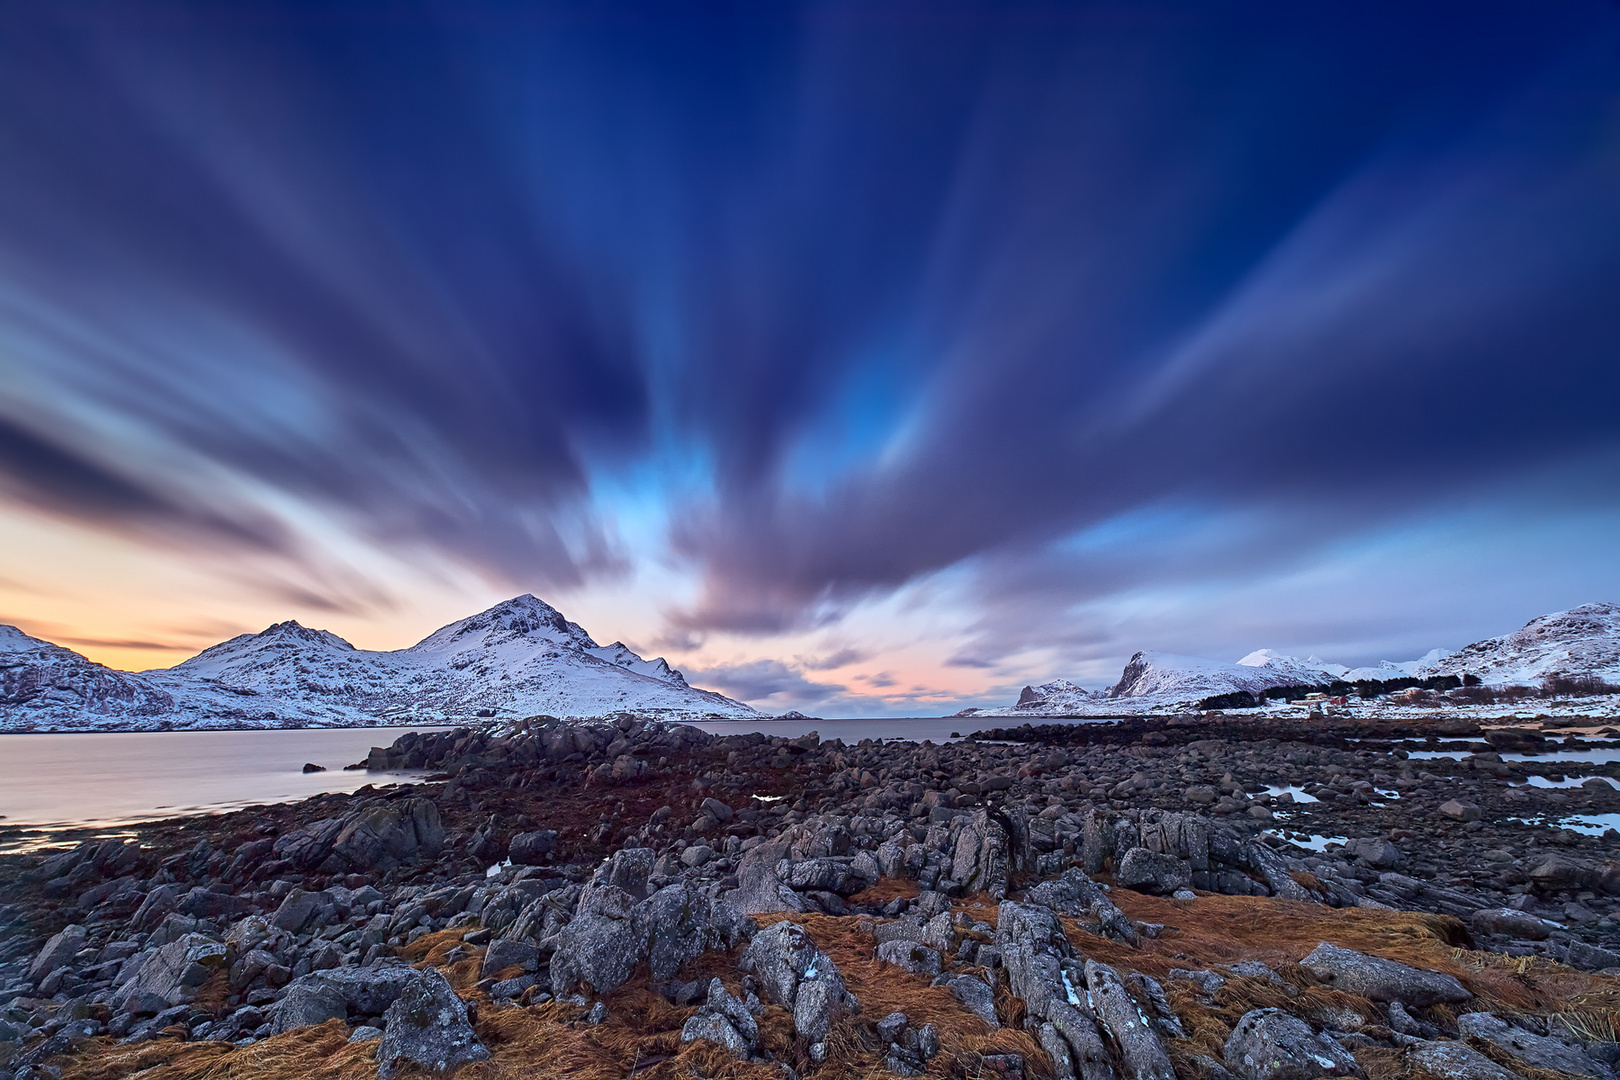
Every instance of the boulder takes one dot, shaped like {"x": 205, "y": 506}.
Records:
{"x": 335, "y": 993}
{"x": 504, "y": 953}
{"x": 57, "y": 952}
{"x": 1139, "y": 1046}
{"x": 1556, "y": 873}
{"x": 628, "y": 869}
{"x": 1535, "y": 1050}
{"x": 1512, "y": 922}
{"x": 603, "y": 943}
{"x": 532, "y": 848}
{"x": 914, "y": 957}
{"x": 1150, "y": 872}
{"x": 427, "y": 1028}
{"x": 1074, "y": 893}
{"x": 296, "y": 910}
{"x": 795, "y": 973}
{"x": 713, "y": 1027}
{"x": 1268, "y": 1044}
{"x": 172, "y": 975}
{"x": 977, "y": 996}
{"x": 1590, "y": 957}
{"x": 1455, "y": 1061}
{"x": 1380, "y": 979}
{"x": 1375, "y": 852}
{"x": 1461, "y": 811}
{"x": 389, "y": 834}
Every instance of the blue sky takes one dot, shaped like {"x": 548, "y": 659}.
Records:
{"x": 864, "y": 358}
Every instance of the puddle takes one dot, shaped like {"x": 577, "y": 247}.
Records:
{"x": 1592, "y": 755}
{"x": 1591, "y": 824}
{"x": 1319, "y": 843}
{"x": 1297, "y": 792}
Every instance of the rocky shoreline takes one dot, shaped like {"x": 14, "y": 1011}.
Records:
{"x": 1169, "y": 896}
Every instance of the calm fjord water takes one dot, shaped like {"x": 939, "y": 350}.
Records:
{"x": 117, "y": 779}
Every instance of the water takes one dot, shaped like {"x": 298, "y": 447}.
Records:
{"x": 1567, "y": 782}
{"x": 1297, "y": 792}
{"x": 117, "y": 779}
{"x": 935, "y": 729}
{"x": 1591, "y": 824}
{"x": 102, "y": 780}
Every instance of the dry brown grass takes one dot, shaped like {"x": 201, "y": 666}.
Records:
{"x": 642, "y": 1035}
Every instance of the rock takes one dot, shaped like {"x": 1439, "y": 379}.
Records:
{"x": 365, "y": 1033}
{"x": 682, "y": 923}
{"x": 532, "y": 848}
{"x": 1139, "y": 1047}
{"x": 390, "y": 834}
{"x": 759, "y": 891}
{"x": 505, "y": 953}
{"x": 987, "y": 849}
{"x": 1076, "y": 894}
{"x": 978, "y": 997}
{"x": 716, "y": 1029}
{"x": 333, "y": 994}
{"x": 914, "y": 957}
{"x": 697, "y": 855}
{"x": 1150, "y": 872}
{"x": 57, "y": 952}
{"x": 311, "y": 767}
{"x": 1376, "y": 853}
{"x": 426, "y": 1028}
{"x": 1518, "y": 924}
{"x": 1199, "y": 795}
{"x": 628, "y": 869}
{"x": 1460, "y": 811}
{"x": 172, "y": 975}
{"x": 1380, "y": 979}
{"x": 1556, "y": 873}
{"x": 717, "y": 810}
{"x": 794, "y": 972}
{"x": 295, "y": 911}
{"x": 602, "y": 945}
{"x": 1455, "y": 1061}
{"x": 1268, "y": 1044}
{"x": 1535, "y": 1050}
{"x": 1590, "y": 957}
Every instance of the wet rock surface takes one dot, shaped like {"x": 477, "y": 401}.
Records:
{"x": 1201, "y": 895}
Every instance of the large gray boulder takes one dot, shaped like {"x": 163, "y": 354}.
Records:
{"x": 1537, "y": 1050}
{"x": 57, "y": 952}
{"x": 1268, "y": 1044}
{"x": 712, "y": 1027}
{"x": 390, "y": 834}
{"x": 172, "y": 975}
{"x": 679, "y": 926}
{"x": 1150, "y": 872}
{"x": 1074, "y": 893}
{"x": 532, "y": 848}
{"x": 977, "y": 996}
{"x": 427, "y": 1028}
{"x": 602, "y": 945}
{"x": 504, "y": 953}
{"x": 1455, "y": 1061}
{"x": 915, "y": 957}
{"x": 1139, "y": 1046}
{"x": 1380, "y": 979}
{"x": 1034, "y": 951}
{"x": 336, "y": 993}
{"x": 988, "y": 848}
{"x": 795, "y": 973}
{"x": 1512, "y": 922}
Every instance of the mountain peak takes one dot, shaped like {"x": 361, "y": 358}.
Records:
{"x": 525, "y": 616}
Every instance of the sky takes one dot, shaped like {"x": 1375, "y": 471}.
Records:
{"x": 870, "y": 358}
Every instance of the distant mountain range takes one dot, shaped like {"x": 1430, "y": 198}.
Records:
{"x": 520, "y": 658}
{"x": 1581, "y": 642}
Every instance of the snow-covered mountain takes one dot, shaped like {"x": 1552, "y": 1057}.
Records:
{"x": 520, "y": 658}
{"x": 1584, "y": 641}
{"x": 1580, "y": 642}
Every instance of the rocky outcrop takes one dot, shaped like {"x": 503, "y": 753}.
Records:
{"x": 1382, "y": 980}
{"x": 1269, "y": 1044}
{"x": 426, "y": 1028}
{"x": 795, "y": 973}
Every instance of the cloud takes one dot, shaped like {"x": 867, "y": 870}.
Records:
{"x": 756, "y": 680}
{"x": 831, "y": 661}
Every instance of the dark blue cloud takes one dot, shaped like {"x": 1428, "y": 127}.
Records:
{"x": 920, "y": 285}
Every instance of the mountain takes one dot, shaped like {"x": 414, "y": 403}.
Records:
{"x": 1581, "y": 642}
{"x": 520, "y": 658}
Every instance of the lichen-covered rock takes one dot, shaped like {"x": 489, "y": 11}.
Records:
{"x": 333, "y": 994}
{"x": 795, "y": 973}
{"x": 1151, "y": 872}
{"x": 1455, "y": 1061}
{"x": 1139, "y": 1045}
{"x": 914, "y": 957}
{"x": 57, "y": 952}
{"x": 1380, "y": 979}
{"x": 1268, "y": 1044}
{"x": 1537, "y": 1050}
{"x": 172, "y": 975}
{"x": 427, "y": 1028}
{"x": 602, "y": 945}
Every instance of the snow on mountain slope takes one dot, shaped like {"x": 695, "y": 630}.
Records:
{"x": 1189, "y": 678}
{"x": 38, "y": 677}
{"x": 520, "y": 658}
{"x": 1580, "y": 642}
